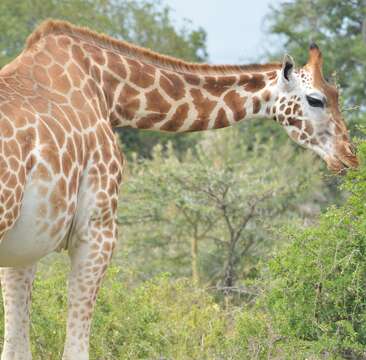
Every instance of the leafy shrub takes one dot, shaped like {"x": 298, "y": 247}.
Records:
{"x": 316, "y": 294}
{"x": 159, "y": 319}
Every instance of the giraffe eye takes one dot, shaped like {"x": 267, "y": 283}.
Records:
{"x": 314, "y": 102}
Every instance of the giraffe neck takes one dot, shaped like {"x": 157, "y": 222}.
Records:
{"x": 151, "y": 97}
{"x": 165, "y": 100}
{"x": 140, "y": 89}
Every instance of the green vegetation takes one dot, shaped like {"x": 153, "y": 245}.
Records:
{"x": 233, "y": 244}
{"x": 310, "y": 303}
{"x": 212, "y": 215}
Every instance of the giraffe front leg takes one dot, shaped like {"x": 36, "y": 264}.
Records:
{"x": 89, "y": 260}
{"x": 17, "y": 288}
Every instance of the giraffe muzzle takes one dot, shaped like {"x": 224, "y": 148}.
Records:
{"x": 345, "y": 158}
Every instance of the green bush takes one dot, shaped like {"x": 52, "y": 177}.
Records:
{"x": 159, "y": 319}
{"x": 316, "y": 295}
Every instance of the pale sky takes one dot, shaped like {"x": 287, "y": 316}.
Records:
{"x": 234, "y": 27}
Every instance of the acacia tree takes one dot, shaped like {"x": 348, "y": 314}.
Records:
{"x": 210, "y": 215}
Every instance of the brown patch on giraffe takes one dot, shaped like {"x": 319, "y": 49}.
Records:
{"x": 129, "y": 104}
{"x": 97, "y": 54}
{"x": 156, "y": 103}
{"x": 243, "y": 79}
{"x": 61, "y": 84}
{"x": 221, "y": 120}
{"x": 177, "y": 120}
{"x": 41, "y": 76}
{"x": 50, "y": 44}
{"x": 217, "y": 86}
{"x": 266, "y": 96}
{"x": 21, "y": 175}
{"x": 280, "y": 118}
{"x": 92, "y": 140}
{"x": 288, "y": 111}
{"x": 294, "y": 122}
{"x": 77, "y": 99}
{"x": 13, "y": 164}
{"x": 96, "y": 73}
{"x": 73, "y": 182}
{"x": 236, "y": 103}
{"x": 141, "y": 75}
{"x": 255, "y": 83}
{"x": 113, "y": 167}
{"x": 303, "y": 136}
{"x": 66, "y": 163}
{"x": 76, "y": 74}
{"x": 60, "y": 55}
{"x": 30, "y": 162}
{"x": 256, "y": 105}
{"x": 55, "y": 71}
{"x": 26, "y": 140}
{"x": 40, "y": 105}
{"x": 192, "y": 79}
{"x": 27, "y": 60}
{"x": 12, "y": 147}
{"x": 172, "y": 84}
{"x": 42, "y": 173}
{"x": 18, "y": 191}
{"x": 78, "y": 56}
{"x": 204, "y": 107}
{"x": 62, "y": 188}
{"x": 114, "y": 119}
{"x": 63, "y": 42}
{"x": 296, "y": 108}
{"x": 116, "y": 65}
{"x": 6, "y": 128}
{"x": 110, "y": 83}
{"x": 50, "y": 155}
{"x": 148, "y": 121}
{"x": 70, "y": 147}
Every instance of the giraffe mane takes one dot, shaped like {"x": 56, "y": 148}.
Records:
{"x": 169, "y": 62}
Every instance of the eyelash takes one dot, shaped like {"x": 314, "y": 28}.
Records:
{"x": 315, "y": 102}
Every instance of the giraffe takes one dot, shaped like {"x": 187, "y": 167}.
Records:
{"x": 61, "y": 168}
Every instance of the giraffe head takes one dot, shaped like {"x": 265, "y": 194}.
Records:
{"x": 308, "y": 109}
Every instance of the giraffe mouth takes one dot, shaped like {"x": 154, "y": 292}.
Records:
{"x": 340, "y": 164}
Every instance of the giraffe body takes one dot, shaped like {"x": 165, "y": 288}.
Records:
{"x": 60, "y": 166}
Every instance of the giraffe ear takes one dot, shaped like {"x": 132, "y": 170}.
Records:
{"x": 287, "y": 69}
